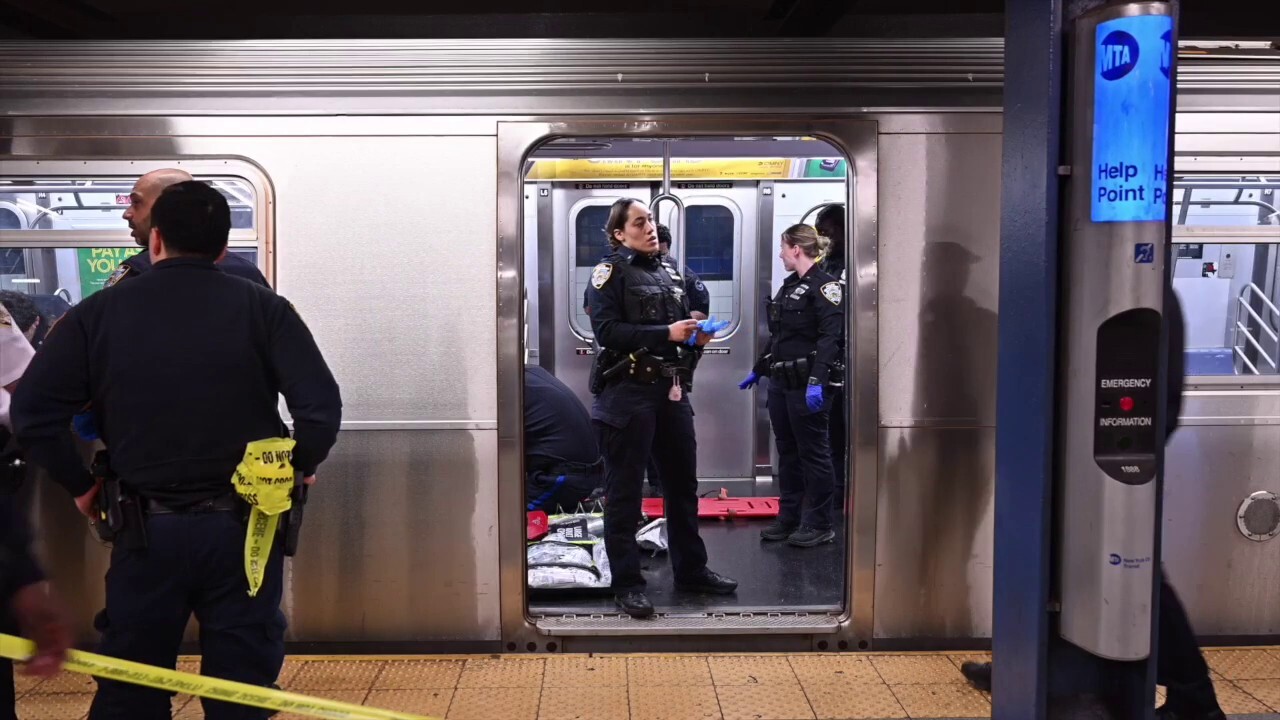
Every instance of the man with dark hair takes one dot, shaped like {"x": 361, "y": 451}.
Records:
{"x": 23, "y": 311}
{"x": 216, "y": 353}
{"x": 562, "y": 462}
{"x": 139, "y": 216}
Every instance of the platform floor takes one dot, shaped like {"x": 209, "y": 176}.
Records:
{"x": 659, "y": 687}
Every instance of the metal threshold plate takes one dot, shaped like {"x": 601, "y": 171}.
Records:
{"x": 717, "y": 624}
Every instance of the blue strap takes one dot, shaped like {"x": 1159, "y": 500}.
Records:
{"x": 544, "y": 497}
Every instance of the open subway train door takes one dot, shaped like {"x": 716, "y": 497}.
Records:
{"x": 726, "y": 198}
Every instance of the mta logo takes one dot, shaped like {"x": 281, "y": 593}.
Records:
{"x": 1114, "y": 559}
{"x": 1118, "y": 55}
{"x": 1166, "y": 54}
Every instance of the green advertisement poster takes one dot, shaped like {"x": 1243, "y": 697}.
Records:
{"x": 820, "y": 168}
{"x": 97, "y": 264}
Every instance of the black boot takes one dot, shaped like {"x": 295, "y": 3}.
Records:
{"x": 777, "y": 531}
{"x": 978, "y": 674}
{"x": 1195, "y": 701}
{"x": 707, "y": 581}
{"x": 634, "y": 603}
{"x": 807, "y": 537}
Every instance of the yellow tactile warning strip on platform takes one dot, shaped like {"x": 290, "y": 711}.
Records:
{"x": 862, "y": 686}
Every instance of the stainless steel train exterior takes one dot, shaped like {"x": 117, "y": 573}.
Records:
{"x": 385, "y": 182}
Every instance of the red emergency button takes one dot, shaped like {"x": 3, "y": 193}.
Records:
{"x": 1126, "y": 404}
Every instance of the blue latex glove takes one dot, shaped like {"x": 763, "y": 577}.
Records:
{"x": 813, "y": 398}
{"x": 751, "y": 380}
{"x": 85, "y": 426}
{"x": 710, "y": 326}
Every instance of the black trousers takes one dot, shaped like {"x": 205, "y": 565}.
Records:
{"x": 629, "y": 418}
{"x": 1180, "y": 666}
{"x": 194, "y": 564}
{"x": 805, "y": 477}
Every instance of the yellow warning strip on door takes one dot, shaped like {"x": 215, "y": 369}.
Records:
{"x": 15, "y": 648}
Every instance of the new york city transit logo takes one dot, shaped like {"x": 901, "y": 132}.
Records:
{"x": 1118, "y": 55}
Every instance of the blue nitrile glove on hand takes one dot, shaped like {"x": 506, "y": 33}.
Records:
{"x": 84, "y": 426}
{"x": 710, "y": 326}
{"x": 813, "y": 397}
{"x": 751, "y": 380}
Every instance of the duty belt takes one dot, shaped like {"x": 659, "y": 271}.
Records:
{"x": 224, "y": 503}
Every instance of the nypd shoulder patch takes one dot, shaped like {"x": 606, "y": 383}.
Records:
{"x": 117, "y": 275}
{"x": 601, "y": 274}
{"x": 833, "y": 292}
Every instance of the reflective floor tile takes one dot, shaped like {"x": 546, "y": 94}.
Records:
{"x": 764, "y": 702}
{"x": 683, "y": 702}
{"x": 418, "y": 674}
{"x": 668, "y": 672}
{"x": 334, "y": 675}
{"x": 853, "y": 702}
{"x": 917, "y": 669}
{"x": 502, "y": 673}
{"x": 495, "y": 704}
{"x": 584, "y": 703}
{"x": 834, "y": 669}
{"x": 433, "y": 703}
{"x": 942, "y": 701}
{"x": 751, "y": 670}
{"x": 576, "y": 671}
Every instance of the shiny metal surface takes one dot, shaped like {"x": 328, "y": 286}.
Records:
{"x": 717, "y": 624}
{"x": 400, "y": 542}
{"x": 934, "y": 535}
{"x": 527, "y": 76}
{"x": 940, "y": 258}
{"x": 1227, "y": 582}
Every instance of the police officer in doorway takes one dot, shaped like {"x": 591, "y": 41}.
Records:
{"x": 1180, "y": 667}
{"x": 830, "y": 224}
{"x": 138, "y": 215}
{"x": 806, "y": 322}
{"x": 642, "y": 376}
{"x": 209, "y": 355}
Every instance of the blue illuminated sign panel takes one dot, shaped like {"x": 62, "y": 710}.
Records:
{"x": 1131, "y": 119}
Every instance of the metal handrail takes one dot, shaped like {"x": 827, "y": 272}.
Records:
{"x": 1249, "y": 336}
{"x": 677, "y": 238}
{"x": 818, "y": 208}
{"x": 1245, "y": 360}
{"x": 1254, "y": 314}
{"x": 1271, "y": 307}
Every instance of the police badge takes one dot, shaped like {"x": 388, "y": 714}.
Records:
{"x": 117, "y": 275}
{"x": 832, "y": 292}
{"x": 600, "y": 275}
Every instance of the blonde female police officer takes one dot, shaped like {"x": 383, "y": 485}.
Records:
{"x": 806, "y": 320}
{"x": 640, "y": 317}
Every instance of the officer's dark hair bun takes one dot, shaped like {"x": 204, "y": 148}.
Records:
{"x": 618, "y": 219}
{"x": 193, "y": 219}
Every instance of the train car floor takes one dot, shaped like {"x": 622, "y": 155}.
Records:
{"x": 771, "y": 576}
{"x": 658, "y": 687}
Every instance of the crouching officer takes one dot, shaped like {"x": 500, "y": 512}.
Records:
{"x": 806, "y": 322}
{"x": 214, "y": 353}
{"x": 561, "y": 460}
{"x": 641, "y": 380}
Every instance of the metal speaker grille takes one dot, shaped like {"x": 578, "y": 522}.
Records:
{"x": 1259, "y": 516}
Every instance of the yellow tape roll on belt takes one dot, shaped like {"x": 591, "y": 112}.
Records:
{"x": 15, "y": 648}
{"x": 264, "y": 479}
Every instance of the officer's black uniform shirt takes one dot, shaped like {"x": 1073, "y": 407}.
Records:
{"x": 184, "y": 365}
{"x": 557, "y": 428}
{"x": 231, "y": 264}
{"x": 633, "y": 298}
{"x": 694, "y": 289}
{"x": 809, "y": 314}
{"x": 17, "y": 566}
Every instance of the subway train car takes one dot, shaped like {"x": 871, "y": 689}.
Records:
{"x": 434, "y": 210}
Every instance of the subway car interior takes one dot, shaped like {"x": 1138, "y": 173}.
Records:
{"x": 435, "y": 208}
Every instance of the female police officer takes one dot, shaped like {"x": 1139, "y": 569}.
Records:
{"x": 805, "y": 320}
{"x": 640, "y": 317}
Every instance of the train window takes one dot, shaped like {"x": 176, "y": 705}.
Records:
{"x": 710, "y": 252}
{"x": 62, "y": 231}
{"x": 589, "y": 245}
{"x": 1226, "y": 255}
{"x": 97, "y": 203}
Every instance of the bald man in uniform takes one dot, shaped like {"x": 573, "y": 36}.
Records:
{"x": 138, "y": 215}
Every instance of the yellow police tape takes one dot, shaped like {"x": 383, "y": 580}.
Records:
{"x": 264, "y": 479}
{"x": 16, "y": 648}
